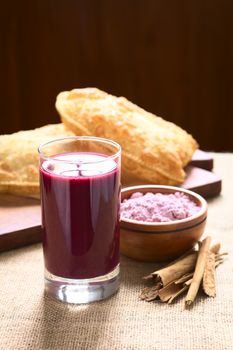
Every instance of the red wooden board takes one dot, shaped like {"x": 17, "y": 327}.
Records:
{"x": 20, "y": 221}
{"x": 20, "y": 218}
{"x": 202, "y": 181}
{"x": 202, "y": 160}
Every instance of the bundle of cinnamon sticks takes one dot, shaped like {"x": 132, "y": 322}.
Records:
{"x": 187, "y": 274}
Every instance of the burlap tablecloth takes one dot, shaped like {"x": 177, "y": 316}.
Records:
{"x": 29, "y": 320}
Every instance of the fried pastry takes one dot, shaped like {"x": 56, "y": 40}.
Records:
{"x": 19, "y": 160}
{"x": 154, "y": 150}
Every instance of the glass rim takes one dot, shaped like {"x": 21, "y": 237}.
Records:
{"x": 87, "y": 138}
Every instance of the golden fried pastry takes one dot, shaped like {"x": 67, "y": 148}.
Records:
{"x": 19, "y": 160}
{"x": 154, "y": 150}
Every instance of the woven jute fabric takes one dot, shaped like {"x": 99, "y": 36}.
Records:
{"x": 30, "y": 320}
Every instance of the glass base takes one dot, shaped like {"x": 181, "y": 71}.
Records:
{"x": 82, "y": 291}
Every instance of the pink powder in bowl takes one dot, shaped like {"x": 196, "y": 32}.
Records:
{"x": 158, "y": 207}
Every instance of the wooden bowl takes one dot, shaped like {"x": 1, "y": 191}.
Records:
{"x": 161, "y": 241}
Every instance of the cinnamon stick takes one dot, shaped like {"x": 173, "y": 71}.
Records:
{"x": 208, "y": 283}
{"x": 215, "y": 248}
{"x": 150, "y": 293}
{"x": 186, "y": 273}
{"x": 169, "y": 291}
{"x": 176, "y": 270}
{"x": 187, "y": 283}
{"x": 219, "y": 262}
{"x": 184, "y": 278}
{"x": 220, "y": 256}
{"x": 177, "y": 294}
{"x": 199, "y": 271}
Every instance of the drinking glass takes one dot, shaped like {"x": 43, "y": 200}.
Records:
{"x": 80, "y": 199}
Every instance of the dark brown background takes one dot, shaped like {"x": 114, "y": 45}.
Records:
{"x": 174, "y": 58}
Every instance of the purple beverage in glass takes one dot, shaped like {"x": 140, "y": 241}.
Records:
{"x": 80, "y": 196}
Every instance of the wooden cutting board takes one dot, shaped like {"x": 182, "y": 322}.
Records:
{"x": 20, "y": 221}
{"x": 20, "y": 218}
